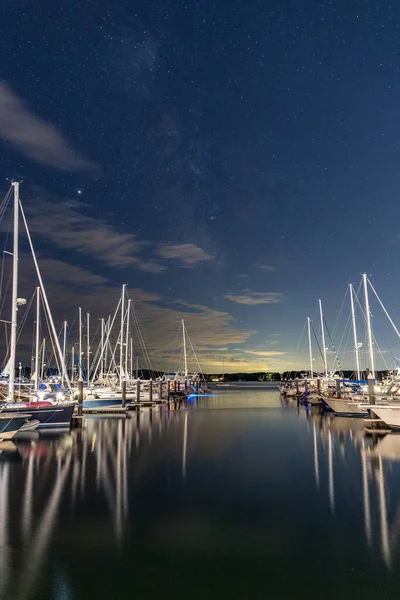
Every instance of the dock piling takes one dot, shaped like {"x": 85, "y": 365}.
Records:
{"x": 138, "y": 391}
{"x": 80, "y": 398}
{"x": 338, "y": 392}
{"x": 123, "y": 389}
{"x": 371, "y": 388}
{"x": 168, "y": 390}
{"x": 151, "y": 391}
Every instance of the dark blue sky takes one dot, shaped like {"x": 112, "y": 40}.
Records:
{"x": 232, "y": 161}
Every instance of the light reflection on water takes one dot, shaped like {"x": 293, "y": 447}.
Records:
{"x": 238, "y": 493}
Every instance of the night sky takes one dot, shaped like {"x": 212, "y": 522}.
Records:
{"x": 232, "y": 162}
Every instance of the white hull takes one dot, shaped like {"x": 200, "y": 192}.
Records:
{"x": 390, "y": 416}
{"x": 343, "y": 407}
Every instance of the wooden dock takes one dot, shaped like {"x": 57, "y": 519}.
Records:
{"x": 106, "y": 410}
{"x": 377, "y": 427}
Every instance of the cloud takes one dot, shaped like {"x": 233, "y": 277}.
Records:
{"x": 253, "y": 298}
{"x": 265, "y": 268}
{"x": 57, "y": 273}
{"x": 65, "y": 227}
{"x": 34, "y": 137}
{"x": 264, "y": 353}
{"x": 216, "y": 336}
{"x": 160, "y": 322}
{"x": 188, "y": 254}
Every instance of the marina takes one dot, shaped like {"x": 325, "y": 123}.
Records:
{"x": 221, "y": 494}
{"x": 199, "y": 301}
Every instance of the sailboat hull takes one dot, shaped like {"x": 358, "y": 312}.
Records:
{"x": 49, "y": 416}
{"x": 390, "y": 416}
{"x": 342, "y": 408}
{"x": 11, "y": 423}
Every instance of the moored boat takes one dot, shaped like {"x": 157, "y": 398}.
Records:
{"x": 48, "y": 415}
{"x": 389, "y": 415}
{"x": 11, "y": 423}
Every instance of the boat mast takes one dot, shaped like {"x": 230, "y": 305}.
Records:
{"x": 45, "y": 301}
{"x": 184, "y": 346}
{"x": 121, "y": 337}
{"x": 131, "y": 360}
{"x": 108, "y": 326}
{"x": 369, "y": 331}
{"x": 14, "y": 309}
{"x": 127, "y": 338}
{"x": 353, "y": 318}
{"x": 73, "y": 363}
{"x": 137, "y": 366}
{"x": 80, "y": 343}
{"x": 102, "y": 348}
{"x": 43, "y": 358}
{"x": 36, "y": 380}
{"x": 87, "y": 346}
{"x": 323, "y": 337}
{"x": 310, "y": 347}
{"x": 63, "y": 350}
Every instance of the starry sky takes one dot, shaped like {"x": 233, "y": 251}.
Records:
{"x": 232, "y": 162}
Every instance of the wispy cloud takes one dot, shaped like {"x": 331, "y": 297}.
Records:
{"x": 188, "y": 254}
{"x": 264, "y": 352}
{"x": 64, "y": 226}
{"x": 67, "y": 228}
{"x": 34, "y": 137}
{"x": 265, "y": 268}
{"x": 253, "y": 298}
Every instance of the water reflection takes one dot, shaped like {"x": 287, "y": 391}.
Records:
{"x": 377, "y": 455}
{"x": 195, "y": 483}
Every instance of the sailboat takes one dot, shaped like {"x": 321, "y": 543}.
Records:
{"x": 185, "y": 379}
{"x": 44, "y": 414}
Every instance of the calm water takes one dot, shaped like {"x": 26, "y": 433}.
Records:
{"x": 237, "y": 497}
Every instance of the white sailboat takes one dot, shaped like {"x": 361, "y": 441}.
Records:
{"x": 45, "y": 414}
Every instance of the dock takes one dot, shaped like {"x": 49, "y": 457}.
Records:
{"x": 376, "y": 427}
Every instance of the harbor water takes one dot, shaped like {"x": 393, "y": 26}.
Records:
{"x": 240, "y": 495}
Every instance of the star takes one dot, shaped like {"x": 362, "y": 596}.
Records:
{"x": 79, "y": 192}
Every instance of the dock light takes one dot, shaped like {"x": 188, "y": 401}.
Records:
{"x": 60, "y": 396}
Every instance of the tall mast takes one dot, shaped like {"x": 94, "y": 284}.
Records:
{"x": 88, "y": 346}
{"x": 108, "y": 326}
{"x": 184, "y": 346}
{"x": 73, "y": 363}
{"x": 121, "y": 337}
{"x": 369, "y": 331}
{"x": 80, "y": 343}
{"x": 43, "y": 358}
{"x": 63, "y": 350}
{"x": 310, "y": 347}
{"x": 353, "y": 318}
{"x": 127, "y": 338}
{"x": 14, "y": 309}
{"x": 131, "y": 360}
{"x": 137, "y": 366}
{"x": 36, "y": 381}
{"x": 102, "y": 348}
{"x": 323, "y": 338}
